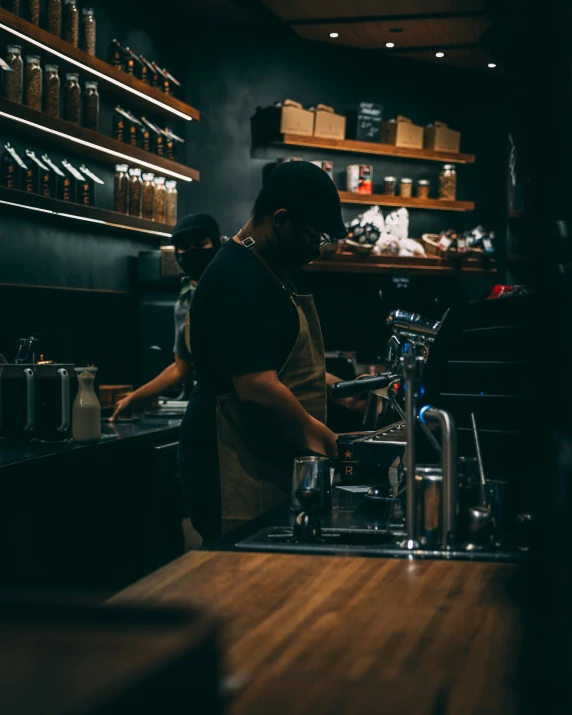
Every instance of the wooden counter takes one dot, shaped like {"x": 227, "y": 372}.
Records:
{"x": 320, "y": 634}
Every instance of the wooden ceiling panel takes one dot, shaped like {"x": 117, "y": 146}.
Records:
{"x": 418, "y": 33}
{"x": 308, "y": 10}
{"x": 474, "y": 59}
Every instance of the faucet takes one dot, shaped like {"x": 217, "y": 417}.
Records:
{"x": 446, "y": 422}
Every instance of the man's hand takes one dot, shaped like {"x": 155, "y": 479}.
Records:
{"x": 122, "y": 406}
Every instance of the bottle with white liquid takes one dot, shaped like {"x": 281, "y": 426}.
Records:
{"x": 86, "y": 413}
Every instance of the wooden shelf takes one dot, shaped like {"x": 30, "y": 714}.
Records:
{"x": 374, "y": 149}
{"x": 138, "y": 92}
{"x": 348, "y": 263}
{"x": 22, "y": 201}
{"x": 346, "y": 197}
{"x": 46, "y": 130}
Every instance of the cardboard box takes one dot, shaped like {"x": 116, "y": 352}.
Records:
{"x": 270, "y": 123}
{"x": 328, "y": 124}
{"x": 440, "y": 138}
{"x": 403, "y": 133}
{"x": 364, "y": 123}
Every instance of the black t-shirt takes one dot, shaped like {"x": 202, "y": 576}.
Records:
{"x": 242, "y": 321}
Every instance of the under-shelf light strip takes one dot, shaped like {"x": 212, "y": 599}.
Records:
{"x": 84, "y": 218}
{"x": 97, "y": 73}
{"x": 99, "y": 148}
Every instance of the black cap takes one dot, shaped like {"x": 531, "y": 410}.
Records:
{"x": 196, "y": 224}
{"x": 308, "y": 193}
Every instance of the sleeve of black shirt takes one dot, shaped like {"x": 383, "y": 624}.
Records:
{"x": 252, "y": 323}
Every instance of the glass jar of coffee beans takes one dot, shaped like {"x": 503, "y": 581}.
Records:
{"x": 14, "y": 80}
{"x": 405, "y": 186}
{"x": 32, "y": 11}
{"x": 51, "y": 90}
{"x": 135, "y": 192}
{"x": 121, "y": 188}
{"x": 448, "y": 183}
{"x": 148, "y": 200}
{"x": 71, "y": 22}
{"x": 171, "y": 203}
{"x": 389, "y": 184}
{"x": 160, "y": 199}
{"x": 423, "y": 188}
{"x": 12, "y": 6}
{"x": 54, "y": 17}
{"x": 33, "y": 83}
{"x": 88, "y": 31}
{"x": 91, "y": 106}
{"x": 72, "y": 98}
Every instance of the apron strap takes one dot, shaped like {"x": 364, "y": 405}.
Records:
{"x": 250, "y": 243}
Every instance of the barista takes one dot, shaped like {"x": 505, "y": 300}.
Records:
{"x": 196, "y": 239}
{"x": 260, "y": 399}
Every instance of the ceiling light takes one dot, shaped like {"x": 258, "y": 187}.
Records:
{"x": 390, "y": 44}
{"x": 119, "y": 155}
{"x": 439, "y": 54}
{"x": 334, "y": 34}
{"x": 492, "y": 65}
{"x": 105, "y": 77}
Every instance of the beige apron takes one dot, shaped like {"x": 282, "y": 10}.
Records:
{"x": 255, "y": 468}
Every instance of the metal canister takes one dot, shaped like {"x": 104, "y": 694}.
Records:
{"x": 312, "y": 473}
{"x": 429, "y": 512}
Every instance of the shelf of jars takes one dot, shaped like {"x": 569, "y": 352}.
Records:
{"x": 373, "y": 149}
{"x": 18, "y": 30}
{"x": 412, "y": 202}
{"x": 23, "y": 201}
{"x": 87, "y": 142}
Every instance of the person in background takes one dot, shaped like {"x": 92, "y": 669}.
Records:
{"x": 261, "y": 391}
{"x": 196, "y": 239}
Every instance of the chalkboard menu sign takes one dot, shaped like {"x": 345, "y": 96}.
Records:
{"x": 364, "y": 124}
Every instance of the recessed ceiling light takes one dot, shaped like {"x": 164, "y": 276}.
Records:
{"x": 334, "y": 34}
{"x": 492, "y": 65}
{"x": 390, "y": 44}
{"x": 439, "y": 54}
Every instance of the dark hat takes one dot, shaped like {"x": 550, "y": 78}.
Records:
{"x": 199, "y": 224}
{"x": 307, "y": 192}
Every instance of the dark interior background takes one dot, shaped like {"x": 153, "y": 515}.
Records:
{"x": 227, "y": 71}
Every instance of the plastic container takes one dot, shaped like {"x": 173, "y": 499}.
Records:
{"x": 88, "y": 28}
{"x": 405, "y": 187}
{"x": 135, "y": 192}
{"x": 33, "y": 83}
{"x": 171, "y": 203}
{"x": 71, "y": 23}
{"x": 159, "y": 213}
{"x": 72, "y": 98}
{"x": 86, "y": 411}
{"x": 54, "y": 17}
{"x": 448, "y": 183}
{"x": 14, "y": 80}
{"x": 91, "y": 106}
{"x": 51, "y": 90}
{"x": 121, "y": 188}
{"x": 148, "y": 196}
{"x": 389, "y": 185}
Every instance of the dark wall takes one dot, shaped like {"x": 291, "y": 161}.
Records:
{"x": 227, "y": 72}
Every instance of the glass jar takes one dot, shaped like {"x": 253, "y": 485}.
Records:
{"x": 72, "y": 98}
{"x": 160, "y": 199}
{"x": 71, "y": 22}
{"x": 33, "y": 83}
{"x": 389, "y": 184}
{"x": 405, "y": 186}
{"x": 14, "y": 80}
{"x": 12, "y": 6}
{"x": 148, "y": 196}
{"x": 51, "y": 90}
{"x": 448, "y": 183}
{"x": 135, "y": 192}
{"x": 32, "y": 11}
{"x": 121, "y": 188}
{"x": 423, "y": 187}
{"x": 91, "y": 106}
{"x": 54, "y": 17}
{"x": 88, "y": 31}
{"x": 171, "y": 203}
